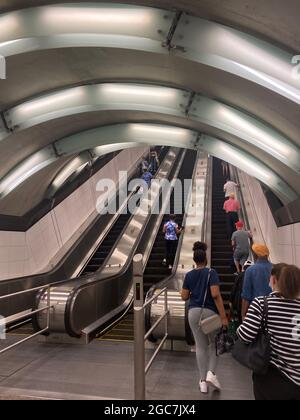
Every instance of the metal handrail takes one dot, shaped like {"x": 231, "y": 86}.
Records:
{"x": 207, "y": 214}
{"x": 153, "y": 298}
{"x": 140, "y": 370}
{"x": 206, "y": 192}
{"x": 21, "y": 317}
{"x": 24, "y": 291}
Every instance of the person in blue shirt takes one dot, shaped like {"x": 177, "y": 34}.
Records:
{"x": 147, "y": 177}
{"x": 171, "y": 231}
{"x": 198, "y": 283}
{"x": 257, "y": 277}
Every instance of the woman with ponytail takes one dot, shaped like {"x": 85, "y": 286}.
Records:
{"x": 202, "y": 286}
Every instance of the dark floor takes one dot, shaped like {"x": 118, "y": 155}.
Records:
{"x": 105, "y": 370}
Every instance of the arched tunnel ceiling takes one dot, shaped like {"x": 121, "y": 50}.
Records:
{"x": 47, "y": 70}
{"x": 74, "y": 124}
{"x": 275, "y": 20}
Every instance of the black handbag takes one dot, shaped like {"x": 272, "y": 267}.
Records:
{"x": 224, "y": 342}
{"x": 256, "y": 356}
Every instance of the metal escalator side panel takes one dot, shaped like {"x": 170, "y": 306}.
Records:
{"x": 178, "y": 324}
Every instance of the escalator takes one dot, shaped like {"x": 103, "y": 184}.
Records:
{"x": 107, "y": 245}
{"x": 95, "y": 262}
{"x": 221, "y": 249}
{"x": 65, "y": 269}
{"x": 214, "y": 232}
{"x": 155, "y": 271}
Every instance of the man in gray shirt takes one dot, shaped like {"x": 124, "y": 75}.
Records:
{"x": 241, "y": 245}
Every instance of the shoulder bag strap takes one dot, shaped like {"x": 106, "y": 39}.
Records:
{"x": 206, "y": 292}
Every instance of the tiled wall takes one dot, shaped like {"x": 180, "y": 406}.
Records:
{"x": 41, "y": 247}
{"x": 284, "y": 242}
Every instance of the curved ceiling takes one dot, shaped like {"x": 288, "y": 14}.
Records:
{"x": 151, "y": 30}
{"x": 230, "y": 69}
{"x": 149, "y": 98}
{"x": 275, "y": 20}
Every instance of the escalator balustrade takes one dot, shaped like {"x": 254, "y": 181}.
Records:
{"x": 221, "y": 249}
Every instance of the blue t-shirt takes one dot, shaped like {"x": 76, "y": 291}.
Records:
{"x": 196, "y": 282}
{"x": 171, "y": 234}
{"x": 147, "y": 176}
{"x": 257, "y": 280}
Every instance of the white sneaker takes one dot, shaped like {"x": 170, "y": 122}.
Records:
{"x": 203, "y": 387}
{"x": 170, "y": 267}
{"x": 212, "y": 380}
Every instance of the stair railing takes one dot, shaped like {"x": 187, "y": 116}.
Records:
{"x": 140, "y": 370}
{"x": 26, "y": 315}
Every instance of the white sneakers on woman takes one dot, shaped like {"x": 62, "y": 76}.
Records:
{"x": 211, "y": 380}
{"x": 203, "y": 387}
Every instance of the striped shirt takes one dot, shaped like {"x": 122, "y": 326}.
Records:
{"x": 284, "y": 328}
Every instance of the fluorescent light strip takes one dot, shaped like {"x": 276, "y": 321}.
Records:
{"x": 26, "y": 169}
{"x": 55, "y": 104}
{"x": 67, "y": 171}
{"x": 109, "y": 148}
{"x": 54, "y": 100}
{"x": 240, "y": 158}
{"x": 136, "y": 90}
{"x": 289, "y": 91}
{"x": 156, "y": 129}
{"x": 263, "y": 139}
{"x": 79, "y": 99}
{"x": 65, "y": 15}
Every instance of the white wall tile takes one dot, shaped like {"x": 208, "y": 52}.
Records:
{"x": 4, "y": 270}
{"x": 297, "y": 255}
{"x": 285, "y": 235}
{"x": 297, "y": 233}
{"x": 281, "y": 241}
{"x": 286, "y": 254}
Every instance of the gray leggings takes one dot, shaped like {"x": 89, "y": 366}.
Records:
{"x": 205, "y": 344}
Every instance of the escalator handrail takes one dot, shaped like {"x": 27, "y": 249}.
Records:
{"x": 207, "y": 213}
